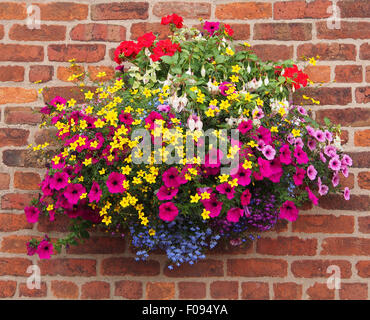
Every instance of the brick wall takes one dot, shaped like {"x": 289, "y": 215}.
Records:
{"x": 289, "y": 262}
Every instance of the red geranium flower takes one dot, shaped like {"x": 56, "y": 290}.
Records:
{"x": 146, "y": 40}
{"x": 228, "y": 30}
{"x": 174, "y": 18}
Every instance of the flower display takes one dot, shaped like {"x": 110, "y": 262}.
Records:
{"x": 194, "y": 143}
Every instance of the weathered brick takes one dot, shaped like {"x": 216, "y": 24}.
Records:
{"x": 257, "y": 267}
{"x": 224, "y": 289}
{"x": 203, "y": 268}
{"x": 362, "y": 95}
{"x": 255, "y": 291}
{"x": 65, "y": 73}
{"x": 362, "y": 138}
{"x": 348, "y": 246}
{"x": 353, "y": 291}
{"x": 12, "y": 11}
{"x": 354, "y": 8}
{"x": 301, "y": 9}
{"x": 69, "y": 92}
{"x": 189, "y": 10}
{"x": 244, "y": 10}
{"x": 19, "y": 53}
{"x": 11, "y": 73}
{"x": 128, "y": 266}
{"x": 13, "y": 222}
{"x": 273, "y": 52}
{"x": 120, "y": 11}
{"x": 320, "y": 291}
{"x": 95, "y": 290}
{"x": 326, "y": 96}
{"x": 7, "y": 288}
{"x": 17, "y": 95}
{"x": 353, "y": 117}
{"x": 337, "y": 202}
{"x": 14, "y": 266}
{"x": 13, "y": 137}
{"x": 98, "y": 32}
{"x": 33, "y": 293}
{"x": 64, "y": 289}
{"x": 360, "y": 159}
{"x": 347, "y": 30}
{"x": 192, "y": 290}
{"x": 365, "y": 51}
{"x": 160, "y": 291}
{"x": 27, "y": 180}
{"x": 63, "y": 11}
{"x": 282, "y": 246}
{"x": 318, "y": 268}
{"x": 68, "y": 267}
{"x": 44, "y": 33}
{"x": 324, "y": 224}
{"x": 4, "y": 181}
{"x": 287, "y": 291}
{"x": 95, "y": 70}
{"x": 41, "y": 73}
{"x": 129, "y": 289}
{"x": 363, "y": 269}
{"x": 283, "y": 31}
{"x": 348, "y": 73}
{"x": 363, "y": 180}
{"x": 327, "y": 51}
{"x": 99, "y": 245}
{"x": 15, "y": 243}
{"x": 140, "y": 28}
{"x": 22, "y": 115}
{"x": 318, "y": 73}
{"x": 79, "y": 52}
{"x": 16, "y": 201}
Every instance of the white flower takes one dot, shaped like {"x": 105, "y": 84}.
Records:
{"x": 337, "y": 143}
{"x": 266, "y": 82}
{"x": 211, "y": 87}
{"x": 249, "y": 68}
{"x": 203, "y": 71}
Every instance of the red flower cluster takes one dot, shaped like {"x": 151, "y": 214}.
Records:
{"x": 173, "y": 18}
{"x": 164, "y": 48}
{"x": 297, "y": 76}
{"x": 228, "y": 30}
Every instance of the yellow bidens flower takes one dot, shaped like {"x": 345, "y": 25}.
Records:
{"x": 296, "y": 133}
{"x": 235, "y": 68}
{"x": 205, "y": 214}
{"x": 229, "y": 51}
{"x": 195, "y": 199}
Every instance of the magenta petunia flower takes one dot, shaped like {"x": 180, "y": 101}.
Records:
{"x": 310, "y": 131}
{"x": 312, "y": 197}
{"x": 31, "y": 250}
{"x": 265, "y": 168}
{"x": 245, "y": 197}
{"x": 298, "y": 142}
{"x": 213, "y": 206}
{"x": 73, "y": 192}
{"x": 164, "y": 108}
{"x": 346, "y": 160}
{"x": 234, "y": 214}
{"x": 245, "y": 126}
{"x": 44, "y": 249}
{"x": 322, "y": 157}
{"x": 335, "y": 180}
{"x": 288, "y": 211}
{"x": 269, "y": 152}
{"x": 300, "y": 155}
{"x": 311, "y": 172}
{"x": 213, "y": 158}
{"x": 168, "y": 211}
{"x": 32, "y": 214}
{"x": 171, "y": 178}
{"x": 243, "y": 175}
{"x": 311, "y": 144}
{"x": 115, "y": 181}
{"x": 226, "y": 189}
{"x": 319, "y": 135}
{"x": 323, "y": 189}
{"x": 126, "y": 118}
{"x": 330, "y": 151}
{"x": 95, "y": 192}
{"x": 285, "y": 154}
{"x": 264, "y": 134}
{"x": 302, "y": 111}
{"x": 211, "y": 27}
{"x": 335, "y": 164}
{"x": 151, "y": 118}
{"x": 299, "y": 176}
{"x": 59, "y": 180}
{"x": 276, "y": 170}
{"x": 165, "y": 193}
{"x": 328, "y": 136}
{"x": 347, "y": 193}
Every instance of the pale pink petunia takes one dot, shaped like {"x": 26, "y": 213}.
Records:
{"x": 311, "y": 172}
{"x": 269, "y": 152}
{"x": 347, "y": 193}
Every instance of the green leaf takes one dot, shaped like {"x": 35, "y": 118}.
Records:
{"x": 327, "y": 121}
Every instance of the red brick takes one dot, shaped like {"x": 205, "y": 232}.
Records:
{"x": 203, "y": 268}
{"x": 351, "y": 117}
{"x": 365, "y": 51}
{"x": 98, "y": 32}
{"x": 257, "y": 267}
{"x": 362, "y": 95}
{"x": 349, "y": 246}
{"x": 93, "y": 72}
{"x": 4, "y": 181}
{"x": 318, "y": 73}
{"x": 283, "y": 31}
{"x": 347, "y": 182}
{"x": 16, "y": 201}
{"x": 120, "y": 11}
{"x": 348, "y": 73}
{"x": 46, "y": 135}
{"x": 19, "y": 53}
{"x": 13, "y": 137}
{"x": 225, "y": 248}
{"x": 363, "y": 180}
{"x": 95, "y": 290}
{"x": 68, "y": 267}
{"x": 360, "y": 159}
{"x": 15, "y": 243}
{"x": 140, "y": 28}
{"x": 327, "y": 51}
{"x": 64, "y": 289}
{"x": 364, "y": 224}
{"x": 45, "y": 33}
{"x": 33, "y": 293}
{"x": 17, "y": 95}
{"x": 60, "y": 224}
{"x": 287, "y": 10}
{"x": 320, "y": 291}
{"x": 347, "y": 30}
{"x": 79, "y": 52}
{"x": 65, "y": 92}
{"x": 287, "y": 291}
{"x": 64, "y": 73}
{"x": 224, "y": 290}
{"x": 318, "y": 268}
{"x": 129, "y": 289}
{"x": 353, "y": 291}
{"x": 99, "y": 245}
{"x": 363, "y": 269}
{"x": 128, "y": 266}
{"x": 41, "y": 73}
{"x": 1, "y": 31}
{"x": 27, "y": 180}
{"x": 11, "y": 73}
{"x": 362, "y": 138}
{"x": 323, "y": 223}
{"x": 354, "y": 9}
{"x": 244, "y": 10}
{"x": 255, "y": 291}
{"x": 337, "y": 202}
{"x": 13, "y": 222}
{"x": 190, "y": 10}
{"x": 7, "y": 288}
{"x": 344, "y": 137}
{"x": 63, "y": 11}
{"x": 14, "y": 267}
{"x": 22, "y": 115}
{"x": 192, "y": 290}
{"x": 282, "y": 246}
{"x": 367, "y": 75}
{"x": 160, "y": 291}
{"x": 326, "y": 96}
{"x": 273, "y": 52}
{"x": 241, "y": 31}
{"x": 12, "y": 11}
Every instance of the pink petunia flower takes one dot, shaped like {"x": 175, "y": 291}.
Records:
{"x": 335, "y": 164}
{"x": 226, "y": 189}
{"x": 276, "y": 170}
{"x": 164, "y": 108}
{"x": 346, "y": 160}
{"x": 335, "y": 180}
{"x": 234, "y": 214}
{"x": 347, "y": 193}
{"x": 311, "y": 144}
{"x": 285, "y": 154}
{"x": 126, "y": 118}
{"x": 73, "y": 192}
{"x": 311, "y": 172}
{"x": 322, "y": 157}
{"x": 245, "y": 197}
{"x": 319, "y": 135}
{"x": 44, "y": 249}
{"x": 243, "y": 175}
{"x": 213, "y": 206}
{"x": 95, "y": 192}
{"x": 264, "y": 166}
{"x": 168, "y": 211}
{"x": 165, "y": 193}
{"x": 330, "y": 151}
{"x": 299, "y": 176}
{"x": 171, "y": 178}
{"x": 59, "y": 180}
{"x": 328, "y": 135}
{"x": 245, "y": 126}
{"x": 312, "y": 197}
{"x": 211, "y": 27}
{"x": 310, "y": 131}
{"x": 32, "y": 214}
{"x": 269, "y": 152}
{"x": 300, "y": 155}
{"x": 288, "y": 211}
{"x": 115, "y": 181}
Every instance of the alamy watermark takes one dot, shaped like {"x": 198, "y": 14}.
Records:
{"x": 33, "y": 17}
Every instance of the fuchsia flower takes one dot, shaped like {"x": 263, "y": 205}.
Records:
{"x": 300, "y": 155}
{"x": 285, "y": 154}
{"x": 311, "y": 172}
{"x": 171, "y": 178}
{"x": 245, "y": 197}
{"x": 95, "y": 192}
{"x": 211, "y": 27}
{"x": 126, "y": 118}
{"x": 150, "y": 119}
{"x": 264, "y": 166}
{"x": 322, "y": 157}
{"x": 298, "y": 142}
{"x": 234, "y": 214}
{"x": 32, "y": 214}
{"x": 213, "y": 158}
{"x": 226, "y": 189}
{"x": 213, "y": 206}
{"x": 73, "y": 192}
{"x": 310, "y": 131}
{"x": 347, "y": 193}
{"x": 44, "y": 249}
{"x": 302, "y": 111}
{"x": 243, "y": 175}
{"x": 312, "y": 197}
{"x": 269, "y": 152}
{"x": 31, "y": 250}
{"x": 299, "y": 176}
{"x": 288, "y": 211}
{"x": 59, "y": 180}
{"x": 245, "y": 126}
{"x": 264, "y": 134}
{"x": 115, "y": 181}
{"x": 168, "y": 211}
{"x": 276, "y": 170}
{"x": 165, "y": 193}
